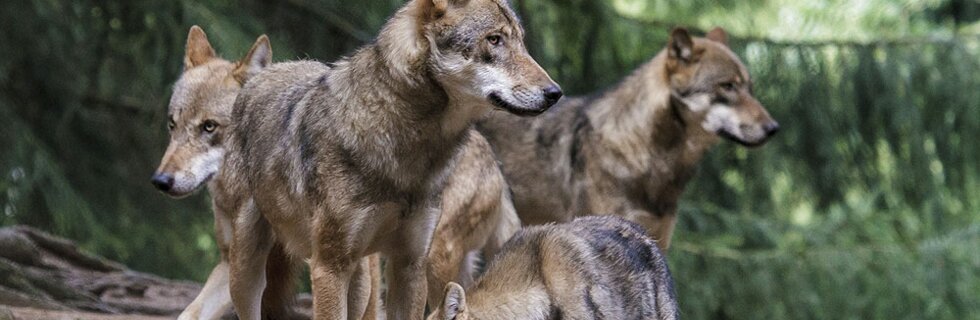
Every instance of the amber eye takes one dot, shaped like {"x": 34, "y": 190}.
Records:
{"x": 209, "y": 126}
{"x": 495, "y": 40}
{"x": 171, "y": 124}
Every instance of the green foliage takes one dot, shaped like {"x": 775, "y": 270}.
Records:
{"x": 876, "y": 209}
{"x": 865, "y": 206}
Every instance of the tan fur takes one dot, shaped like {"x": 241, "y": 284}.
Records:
{"x": 591, "y": 268}
{"x": 631, "y": 150}
{"x": 477, "y": 214}
{"x": 351, "y": 161}
{"x": 206, "y": 91}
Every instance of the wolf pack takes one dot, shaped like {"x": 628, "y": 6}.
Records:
{"x": 444, "y": 154}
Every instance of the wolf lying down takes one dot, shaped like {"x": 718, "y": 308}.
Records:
{"x": 591, "y": 268}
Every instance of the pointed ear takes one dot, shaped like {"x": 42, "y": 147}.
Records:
{"x": 455, "y": 302}
{"x": 259, "y": 57}
{"x": 431, "y": 9}
{"x": 718, "y": 35}
{"x": 199, "y": 50}
{"x": 680, "y": 46}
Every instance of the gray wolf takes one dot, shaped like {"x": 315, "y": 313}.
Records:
{"x": 199, "y": 113}
{"x": 631, "y": 150}
{"x": 350, "y": 162}
{"x": 590, "y": 268}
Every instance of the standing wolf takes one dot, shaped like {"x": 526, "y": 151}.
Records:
{"x": 590, "y": 268}
{"x": 198, "y": 116}
{"x": 631, "y": 150}
{"x": 347, "y": 164}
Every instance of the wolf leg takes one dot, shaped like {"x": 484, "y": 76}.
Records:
{"x": 335, "y": 258}
{"x": 330, "y": 287}
{"x": 214, "y": 300}
{"x": 280, "y": 290}
{"x": 406, "y": 287}
{"x": 253, "y": 240}
{"x": 407, "y": 263}
{"x": 373, "y": 309}
{"x": 359, "y": 292}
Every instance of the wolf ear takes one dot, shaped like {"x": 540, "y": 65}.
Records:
{"x": 680, "y": 46}
{"x": 257, "y": 58}
{"x": 431, "y": 9}
{"x": 198, "y": 49}
{"x": 455, "y": 302}
{"x": 718, "y": 35}
{"x": 435, "y": 9}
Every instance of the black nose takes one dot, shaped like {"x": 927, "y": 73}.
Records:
{"x": 771, "y": 128}
{"x": 552, "y": 94}
{"x": 163, "y": 181}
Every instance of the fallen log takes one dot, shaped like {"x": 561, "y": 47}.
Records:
{"x": 46, "y": 277}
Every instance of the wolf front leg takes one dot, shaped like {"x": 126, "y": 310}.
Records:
{"x": 407, "y": 264}
{"x": 373, "y": 309}
{"x": 279, "y": 296}
{"x": 363, "y": 297}
{"x": 214, "y": 300}
{"x": 362, "y": 292}
{"x": 331, "y": 283}
{"x": 251, "y": 244}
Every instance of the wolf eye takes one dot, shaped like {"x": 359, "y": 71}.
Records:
{"x": 209, "y": 126}
{"x": 728, "y": 86}
{"x": 495, "y": 39}
{"x": 171, "y": 124}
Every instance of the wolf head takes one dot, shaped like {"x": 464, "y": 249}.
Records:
{"x": 477, "y": 52}
{"x": 200, "y": 110}
{"x": 715, "y": 88}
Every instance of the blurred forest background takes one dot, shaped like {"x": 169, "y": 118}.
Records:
{"x": 865, "y": 206}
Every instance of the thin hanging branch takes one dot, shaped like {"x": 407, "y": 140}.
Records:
{"x": 817, "y": 43}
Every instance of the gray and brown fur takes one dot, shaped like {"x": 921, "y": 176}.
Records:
{"x": 352, "y": 162}
{"x": 590, "y": 268}
{"x": 198, "y": 119}
{"x": 631, "y": 150}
